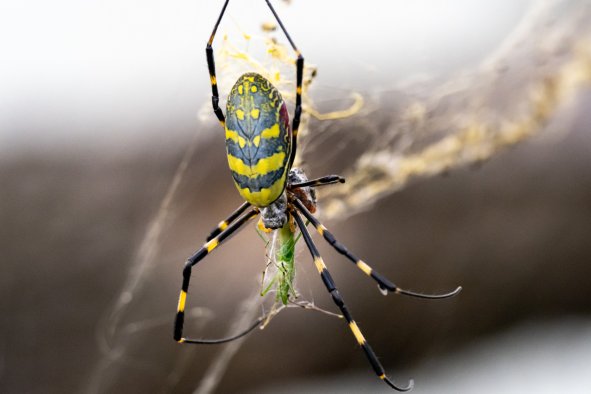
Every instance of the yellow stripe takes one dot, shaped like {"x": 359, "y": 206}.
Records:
{"x": 299, "y": 90}
{"x": 211, "y": 245}
{"x": 181, "y": 340}
{"x": 321, "y": 229}
{"x": 233, "y": 135}
{"x": 262, "y": 167}
{"x": 213, "y": 80}
{"x": 383, "y": 376}
{"x": 357, "y": 333}
{"x": 364, "y": 267}
{"x": 320, "y": 266}
{"x": 271, "y": 132}
{"x": 223, "y": 225}
{"x": 182, "y": 300}
{"x": 265, "y": 196}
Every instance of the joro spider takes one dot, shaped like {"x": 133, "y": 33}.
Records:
{"x": 261, "y": 148}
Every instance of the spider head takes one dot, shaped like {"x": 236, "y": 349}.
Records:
{"x": 274, "y": 216}
{"x": 307, "y": 195}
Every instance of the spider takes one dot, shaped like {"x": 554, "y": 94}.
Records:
{"x": 261, "y": 147}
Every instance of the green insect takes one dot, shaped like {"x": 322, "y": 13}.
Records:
{"x": 283, "y": 257}
{"x": 261, "y": 147}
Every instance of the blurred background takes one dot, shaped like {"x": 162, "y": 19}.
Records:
{"x": 462, "y": 129}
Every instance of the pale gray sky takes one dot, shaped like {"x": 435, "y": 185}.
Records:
{"x": 78, "y": 63}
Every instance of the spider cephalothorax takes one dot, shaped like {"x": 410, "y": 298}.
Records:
{"x": 306, "y": 194}
{"x": 261, "y": 147}
{"x": 274, "y": 216}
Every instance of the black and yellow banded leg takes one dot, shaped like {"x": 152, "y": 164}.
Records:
{"x": 383, "y": 282}
{"x": 299, "y": 76}
{"x": 225, "y": 223}
{"x": 338, "y": 300}
{"x": 325, "y": 180}
{"x": 215, "y": 96}
{"x": 207, "y": 248}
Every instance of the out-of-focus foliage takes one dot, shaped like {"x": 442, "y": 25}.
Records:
{"x": 435, "y": 126}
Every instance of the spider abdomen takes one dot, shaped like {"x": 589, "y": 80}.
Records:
{"x": 258, "y": 139}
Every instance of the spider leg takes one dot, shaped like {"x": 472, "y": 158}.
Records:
{"x": 338, "y": 300}
{"x": 299, "y": 76}
{"x": 215, "y": 96}
{"x": 325, "y": 180}
{"x": 207, "y": 248}
{"x": 383, "y": 283}
{"x": 218, "y": 341}
{"x": 225, "y": 223}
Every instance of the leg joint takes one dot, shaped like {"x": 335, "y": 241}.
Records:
{"x": 383, "y": 281}
{"x": 340, "y": 248}
{"x": 187, "y": 270}
{"x": 215, "y": 101}
{"x": 336, "y": 296}
{"x": 330, "y": 238}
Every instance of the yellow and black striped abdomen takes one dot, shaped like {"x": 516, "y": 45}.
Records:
{"x": 258, "y": 139}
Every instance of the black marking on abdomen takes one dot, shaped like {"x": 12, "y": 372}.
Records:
{"x": 257, "y": 183}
